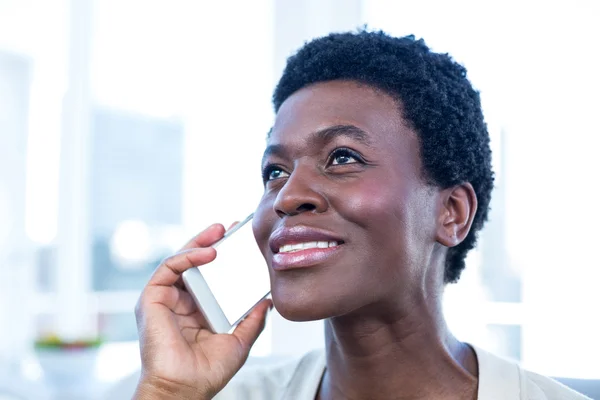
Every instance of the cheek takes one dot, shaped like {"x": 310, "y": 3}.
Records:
{"x": 388, "y": 227}
{"x": 262, "y": 224}
{"x": 371, "y": 204}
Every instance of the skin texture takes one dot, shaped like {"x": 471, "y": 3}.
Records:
{"x": 380, "y": 291}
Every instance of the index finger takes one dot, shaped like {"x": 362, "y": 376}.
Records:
{"x": 169, "y": 271}
{"x": 206, "y": 238}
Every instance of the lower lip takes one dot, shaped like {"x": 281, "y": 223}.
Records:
{"x": 303, "y": 258}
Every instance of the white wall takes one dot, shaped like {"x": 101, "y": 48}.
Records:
{"x": 16, "y": 269}
{"x": 537, "y": 67}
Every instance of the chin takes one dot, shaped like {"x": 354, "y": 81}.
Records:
{"x": 301, "y": 304}
{"x": 297, "y": 313}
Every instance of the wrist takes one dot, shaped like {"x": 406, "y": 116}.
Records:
{"x": 153, "y": 388}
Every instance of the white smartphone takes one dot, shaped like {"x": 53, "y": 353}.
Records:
{"x": 226, "y": 289}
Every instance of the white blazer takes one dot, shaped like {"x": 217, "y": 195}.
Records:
{"x": 499, "y": 379}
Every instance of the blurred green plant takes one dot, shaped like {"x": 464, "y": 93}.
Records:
{"x": 55, "y": 342}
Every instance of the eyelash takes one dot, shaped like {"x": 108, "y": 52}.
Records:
{"x": 340, "y": 151}
{"x": 267, "y": 171}
{"x": 344, "y": 151}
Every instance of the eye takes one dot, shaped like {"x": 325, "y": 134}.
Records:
{"x": 272, "y": 172}
{"x": 343, "y": 157}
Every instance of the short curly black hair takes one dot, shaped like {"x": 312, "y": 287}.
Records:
{"x": 434, "y": 96}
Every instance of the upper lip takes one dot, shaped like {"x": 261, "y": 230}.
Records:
{"x": 299, "y": 234}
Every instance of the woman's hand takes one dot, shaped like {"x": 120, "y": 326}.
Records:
{"x": 181, "y": 358}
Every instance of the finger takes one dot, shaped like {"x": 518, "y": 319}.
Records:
{"x": 206, "y": 238}
{"x": 232, "y": 225}
{"x": 248, "y": 330}
{"x": 170, "y": 270}
{"x": 176, "y": 300}
{"x": 194, "y": 321}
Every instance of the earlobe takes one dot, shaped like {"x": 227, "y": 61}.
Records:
{"x": 459, "y": 204}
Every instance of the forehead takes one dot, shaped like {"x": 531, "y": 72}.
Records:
{"x": 327, "y": 104}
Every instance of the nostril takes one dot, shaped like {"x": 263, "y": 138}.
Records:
{"x": 306, "y": 207}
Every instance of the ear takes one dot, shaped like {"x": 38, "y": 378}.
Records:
{"x": 459, "y": 204}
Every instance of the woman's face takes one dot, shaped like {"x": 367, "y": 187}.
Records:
{"x": 346, "y": 222}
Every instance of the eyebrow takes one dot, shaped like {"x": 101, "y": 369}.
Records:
{"x": 325, "y": 135}
{"x": 350, "y": 131}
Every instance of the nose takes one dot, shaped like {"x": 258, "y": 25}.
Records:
{"x": 300, "y": 194}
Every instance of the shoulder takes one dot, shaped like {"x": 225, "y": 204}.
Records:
{"x": 259, "y": 381}
{"x": 503, "y": 379}
{"x": 542, "y": 387}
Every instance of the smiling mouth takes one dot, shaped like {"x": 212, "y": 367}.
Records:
{"x": 305, "y": 254}
{"x": 292, "y": 248}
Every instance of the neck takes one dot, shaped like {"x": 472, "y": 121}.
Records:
{"x": 399, "y": 355}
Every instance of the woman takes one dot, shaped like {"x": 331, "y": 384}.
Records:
{"x": 379, "y": 148}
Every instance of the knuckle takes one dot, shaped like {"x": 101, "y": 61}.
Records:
{"x": 173, "y": 260}
{"x": 168, "y": 261}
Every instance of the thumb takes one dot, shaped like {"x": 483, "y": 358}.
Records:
{"x": 250, "y": 328}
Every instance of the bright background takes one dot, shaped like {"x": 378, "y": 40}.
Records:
{"x": 128, "y": 125}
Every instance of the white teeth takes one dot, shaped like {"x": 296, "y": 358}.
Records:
{"x": 298, "y": 246}
{"x": 287, "y": 248}
{"x": 310, "y": 245}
